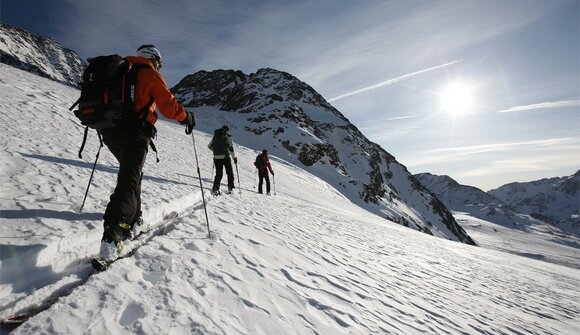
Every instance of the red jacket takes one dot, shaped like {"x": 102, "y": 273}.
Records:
{"x": 262, "y": 161}
{"x": 150, "y": 83}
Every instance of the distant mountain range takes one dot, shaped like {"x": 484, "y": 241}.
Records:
{"x": 555, "y": 201}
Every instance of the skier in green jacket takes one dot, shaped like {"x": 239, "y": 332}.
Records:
{"x": 223, "y": 148}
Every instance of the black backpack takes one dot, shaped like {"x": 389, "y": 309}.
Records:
{"x": 219, "y": 142}
{"x": 260, "y": 163}
{"x": 108, "y": 95}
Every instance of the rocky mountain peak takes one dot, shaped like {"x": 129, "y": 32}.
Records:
{"x": 233, "y": 90}
{"x": 40, "y": 55}
{"x": 444, "y": 181}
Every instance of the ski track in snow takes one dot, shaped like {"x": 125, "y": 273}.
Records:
{"x": 304, "y": 261}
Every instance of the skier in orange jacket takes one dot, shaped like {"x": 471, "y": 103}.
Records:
{"x": 130, "y": 144}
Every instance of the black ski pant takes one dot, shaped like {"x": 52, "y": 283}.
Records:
{"x": 219, "y": 172}
{"x": 264, "y": 175}
{"x": 129, "y": 145}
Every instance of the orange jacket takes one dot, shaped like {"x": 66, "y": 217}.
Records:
{"x": 150, "y": 83}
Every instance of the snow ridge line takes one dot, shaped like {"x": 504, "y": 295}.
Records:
{"x": 154, "y": 230}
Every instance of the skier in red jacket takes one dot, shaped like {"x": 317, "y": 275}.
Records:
{"x": 262, "y": 163}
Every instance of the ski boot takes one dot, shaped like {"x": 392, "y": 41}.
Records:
{"x": 112, "y": 241}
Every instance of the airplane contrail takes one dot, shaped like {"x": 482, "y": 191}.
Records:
{"x": 564, "y": 103}
{"x": 391, "y": 81}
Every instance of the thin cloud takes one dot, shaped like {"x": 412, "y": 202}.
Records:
{"x": 394, "y": 118}
{"x": 384, "y": 132}
{"x": 446, "y": 155}
{"x": 565, "y": 103}
{"x": 387, "y": 128}
{"x": 505, "y": 146}
{"x": 554, "y": 161}
{"x": 402, "y": 117}
{"x": 392, "y": 81}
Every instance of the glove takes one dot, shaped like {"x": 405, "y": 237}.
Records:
{"x": 189, "y": 122}
{"x": 272, "y": 172}
{"x": 235, "y": 160}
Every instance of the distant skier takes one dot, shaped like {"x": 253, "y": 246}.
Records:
{"x": 262, "y": 163}
{"x": 222, "y": 146}
{"x": 130, "y": 143}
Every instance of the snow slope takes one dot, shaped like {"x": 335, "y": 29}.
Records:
{"x": 304, "y": 261}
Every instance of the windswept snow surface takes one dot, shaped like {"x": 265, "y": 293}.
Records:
{"x": 302, "y": 261}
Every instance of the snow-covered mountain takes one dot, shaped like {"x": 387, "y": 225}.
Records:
{"x": 554, "y": 200}
{"x": 469, "y": 199}
{"x": 495, "y": 225}
{"x": 453, "y": 194}
{"x": 303, "y": 261}
{"x": 40, "y": 55}
{"x": 274, "y": 110}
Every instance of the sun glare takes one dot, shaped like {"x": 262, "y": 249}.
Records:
{"x": 457, "y": 98}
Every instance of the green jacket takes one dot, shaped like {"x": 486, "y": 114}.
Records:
{"x": 220, "y": 153}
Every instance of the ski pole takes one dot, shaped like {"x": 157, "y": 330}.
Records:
{"x": 274, "y": 182}
{"x": 92, "y": 172}
{"x": 201, "y": 186}
{"x": 238, "y": 173}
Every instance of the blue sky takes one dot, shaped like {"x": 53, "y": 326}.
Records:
{"x": 487, "y": 92}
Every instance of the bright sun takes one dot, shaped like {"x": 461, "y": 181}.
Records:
{"x": 457, "y": 98}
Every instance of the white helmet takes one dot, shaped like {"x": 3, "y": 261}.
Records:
{"x": 149, "y": 51}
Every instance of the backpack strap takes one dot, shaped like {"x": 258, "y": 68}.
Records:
{"x": 132, "y": 80}
{"x": 75, "y": 104}
{"x": 151, "y": 144}
{"x": 143, "y": 112}
{"x": 154, "y": 148}
{"x": 85, "y": 141}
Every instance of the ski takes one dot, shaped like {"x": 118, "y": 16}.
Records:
{"x": 131, "y": 245}
{"x": 98, "y": 265}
